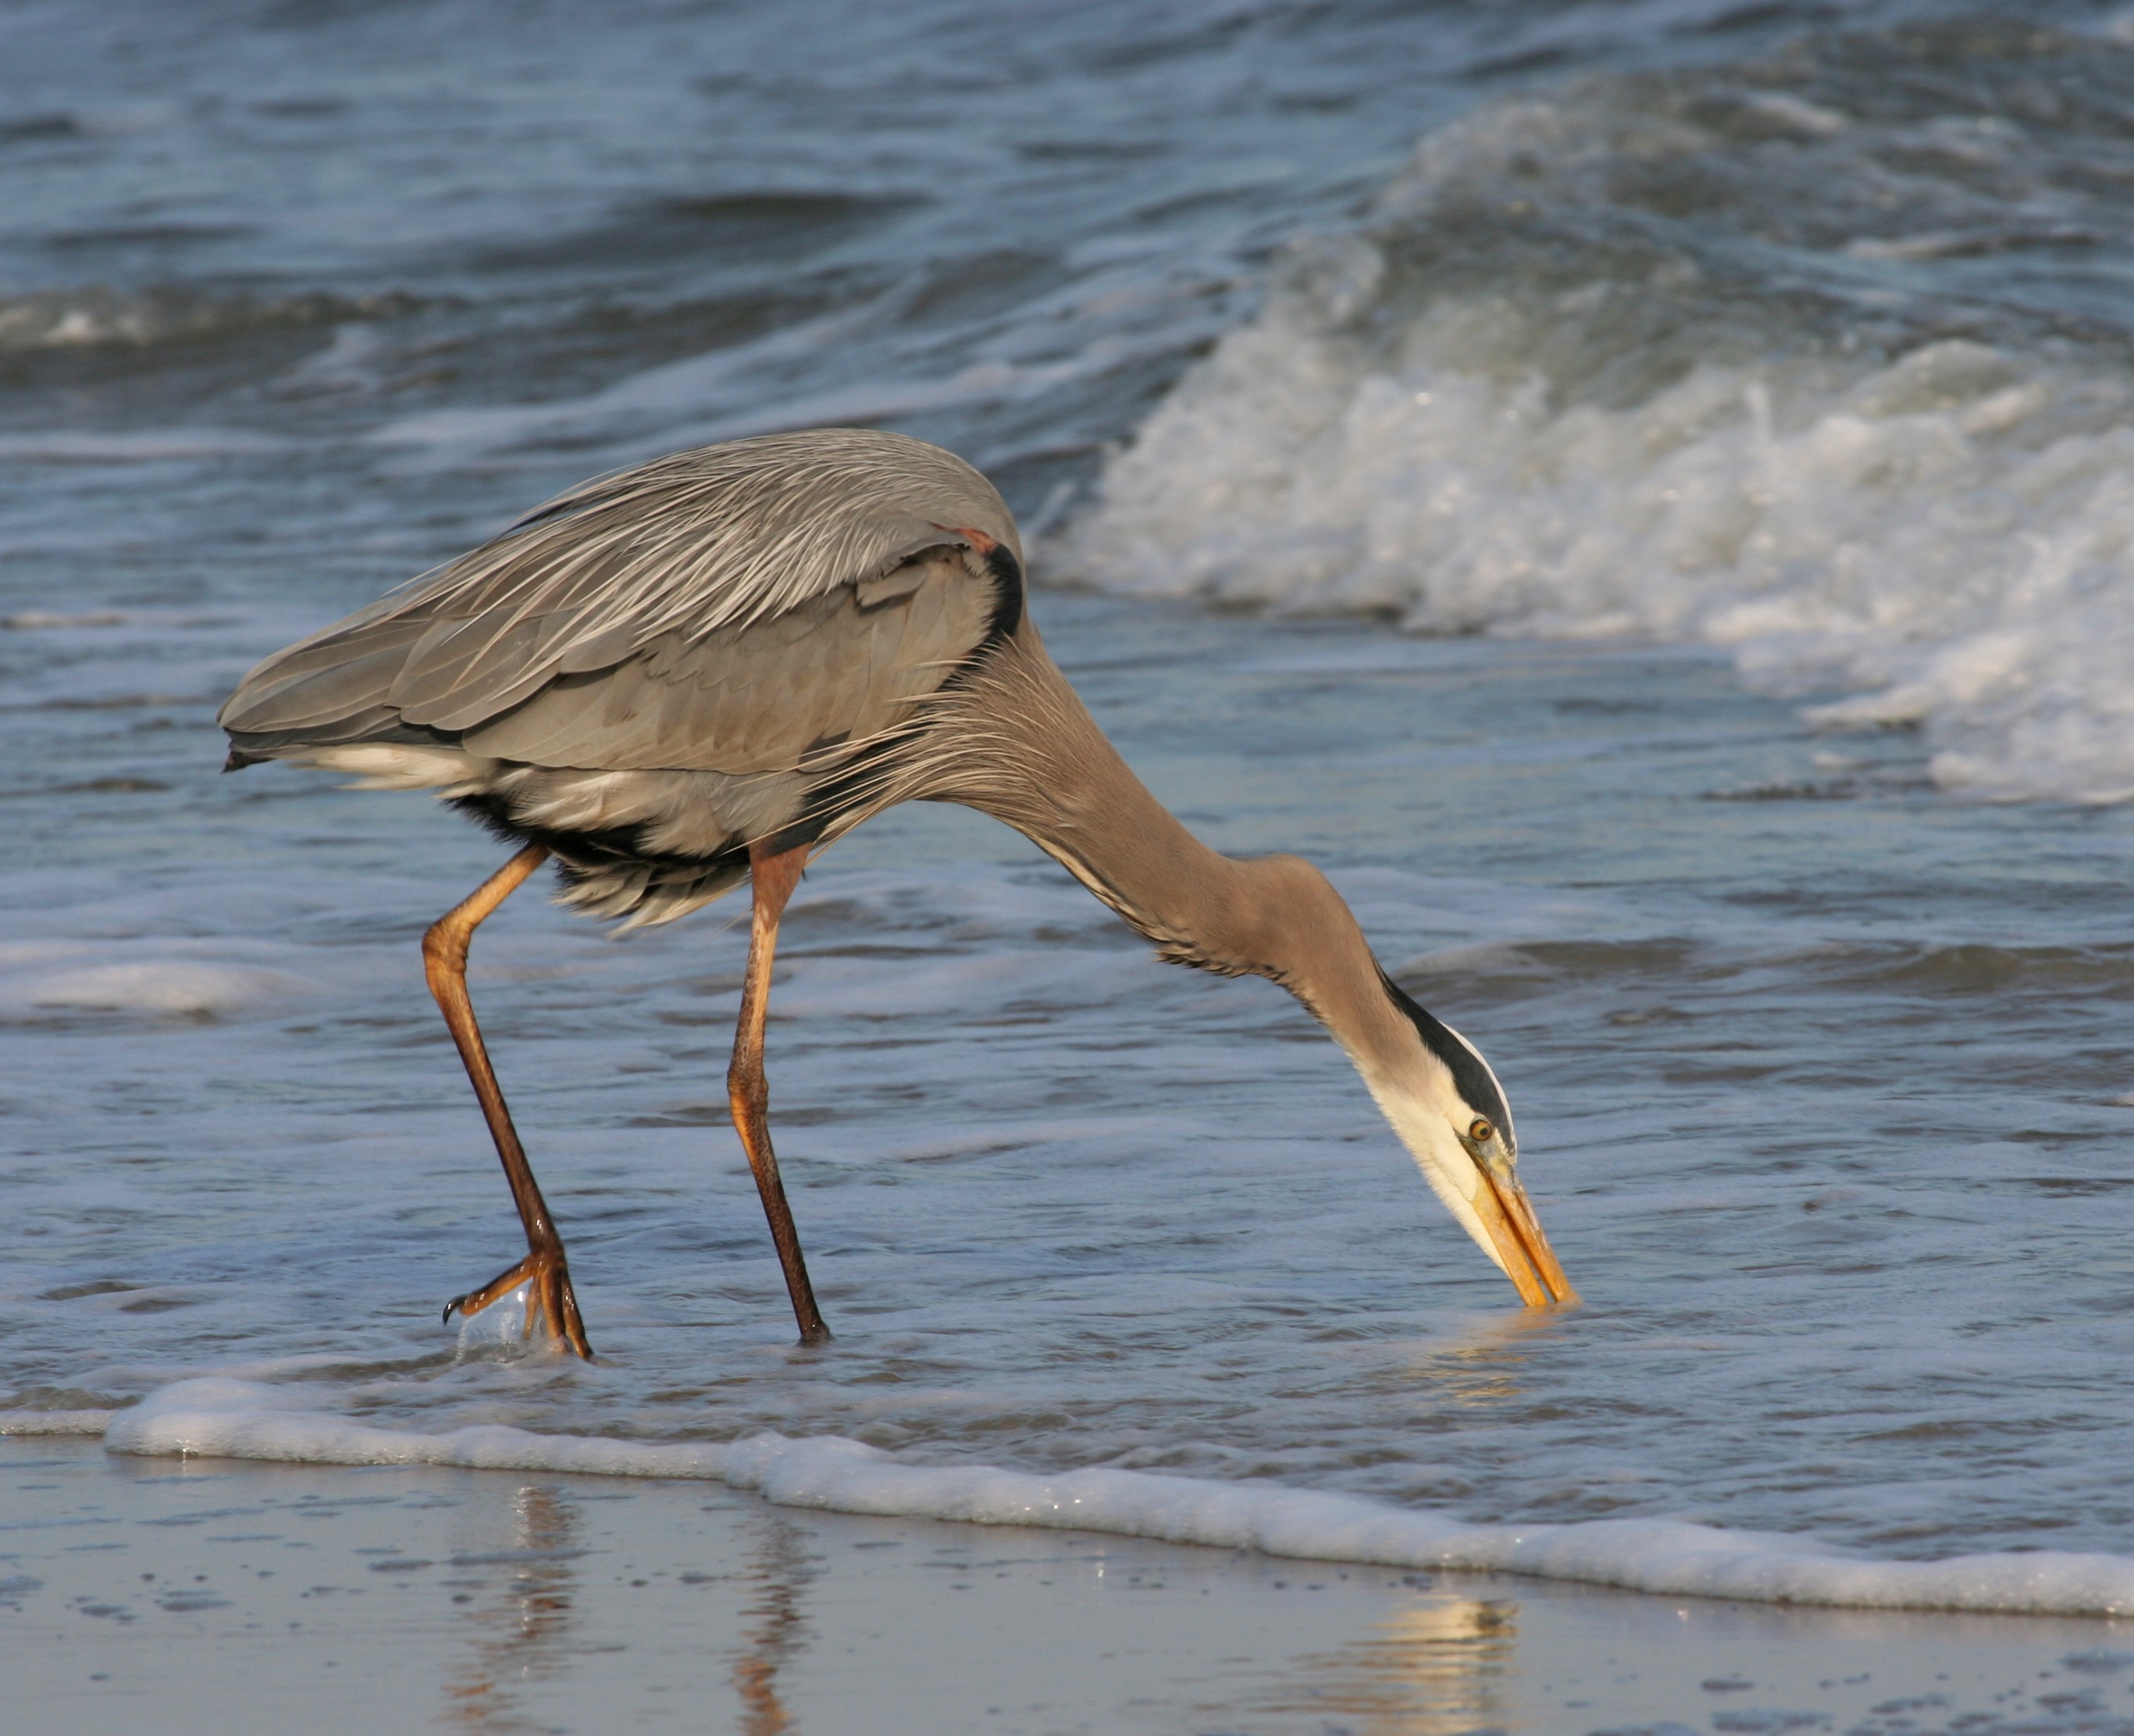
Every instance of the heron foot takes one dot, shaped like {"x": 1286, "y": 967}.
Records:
{"x": 549, "y": 1298}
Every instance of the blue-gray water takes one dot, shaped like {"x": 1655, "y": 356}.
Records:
{"x": 1669, "y": 505}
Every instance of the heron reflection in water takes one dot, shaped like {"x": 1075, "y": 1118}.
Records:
{"x": 518, "y": 1632}
{"x": 779, "y": 1568}
{"x": 708, "y": 668}
{"x": 1442, "y": 1666}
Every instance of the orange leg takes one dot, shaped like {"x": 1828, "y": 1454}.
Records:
{"x": 771, "y": 880}
{"x": 444, "y": 962}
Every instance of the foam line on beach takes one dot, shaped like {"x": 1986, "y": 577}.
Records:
{"x": 55, "y": 1422}
{"x": 227, "y": 1419}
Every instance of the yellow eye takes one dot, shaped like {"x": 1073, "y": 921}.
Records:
{"x": 1481, "y": 1132}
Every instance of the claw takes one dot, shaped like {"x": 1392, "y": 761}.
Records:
{"x": 550, "y": 1298}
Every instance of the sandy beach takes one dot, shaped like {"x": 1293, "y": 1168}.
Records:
{"x": 215, "y": 1596}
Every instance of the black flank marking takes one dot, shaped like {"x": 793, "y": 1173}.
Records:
{"x": 1468, "y": 1075}
{"x": 612, "y": 845}
{"x": 1007, "y": 595}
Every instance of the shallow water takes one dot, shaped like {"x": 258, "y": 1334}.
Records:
{"x": 1821, "y": 1066}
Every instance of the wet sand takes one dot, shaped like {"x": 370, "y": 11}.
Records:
{"x": 216, "y": 1596}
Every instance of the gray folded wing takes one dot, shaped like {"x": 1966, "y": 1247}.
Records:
{"x": 806, "y": 689}
{"x": 736, "y": 608}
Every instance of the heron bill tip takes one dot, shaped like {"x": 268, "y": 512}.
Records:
{"x": 1521, "y": 1249}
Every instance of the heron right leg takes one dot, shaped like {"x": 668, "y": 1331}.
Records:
{"x": 772, "y": 876}
{"x": 444, "y": 962}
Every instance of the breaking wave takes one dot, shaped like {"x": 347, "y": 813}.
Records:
{"x": 1812, "y": 357}
{"x": 224, "y": 1418}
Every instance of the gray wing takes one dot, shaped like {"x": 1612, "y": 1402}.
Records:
{"x": 641, "y": 617}
{"x": 805, "y": 691}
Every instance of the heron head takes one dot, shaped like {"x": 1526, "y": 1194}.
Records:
{"x": 1446, "y": 1104}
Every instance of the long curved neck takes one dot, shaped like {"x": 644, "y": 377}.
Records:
{"x": 1027, "y": 750}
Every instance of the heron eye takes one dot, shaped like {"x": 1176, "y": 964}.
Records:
{"x": 1481, "y": 1132}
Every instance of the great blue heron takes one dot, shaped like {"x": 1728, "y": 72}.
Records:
{"x": 711, "y": 666}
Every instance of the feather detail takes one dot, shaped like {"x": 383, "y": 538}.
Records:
{"x": 721, "y": 538}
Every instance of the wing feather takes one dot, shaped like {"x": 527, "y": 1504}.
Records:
{"x": 809, "y": 687}
{"x": 725, "y": 540}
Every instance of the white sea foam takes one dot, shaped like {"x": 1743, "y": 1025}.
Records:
{"x": 1514, "y": 404}
{"x": 154, "y": 987}
{"x": 55, "y": 1422}
{"x": 222, "y": 1418}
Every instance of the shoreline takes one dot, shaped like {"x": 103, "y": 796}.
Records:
{"x": 228, "y": 1418}
{"x": 231, "y": 1595}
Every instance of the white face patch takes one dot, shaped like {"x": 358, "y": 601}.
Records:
{"x": 1425, "y": 1128}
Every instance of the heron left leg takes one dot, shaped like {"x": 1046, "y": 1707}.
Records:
{"x": 772, "y": 876}
{"x": 444, "y": 962}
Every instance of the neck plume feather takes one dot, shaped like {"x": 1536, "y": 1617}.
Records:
{"x": 1014, "y": 740}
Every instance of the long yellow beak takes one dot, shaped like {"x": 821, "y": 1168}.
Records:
{"x": 1516, "y": 1232}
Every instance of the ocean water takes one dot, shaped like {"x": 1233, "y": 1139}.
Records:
{"x": 1639, "y": 493}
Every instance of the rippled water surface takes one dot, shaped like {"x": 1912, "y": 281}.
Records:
{"x": 1739, "y": 581}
